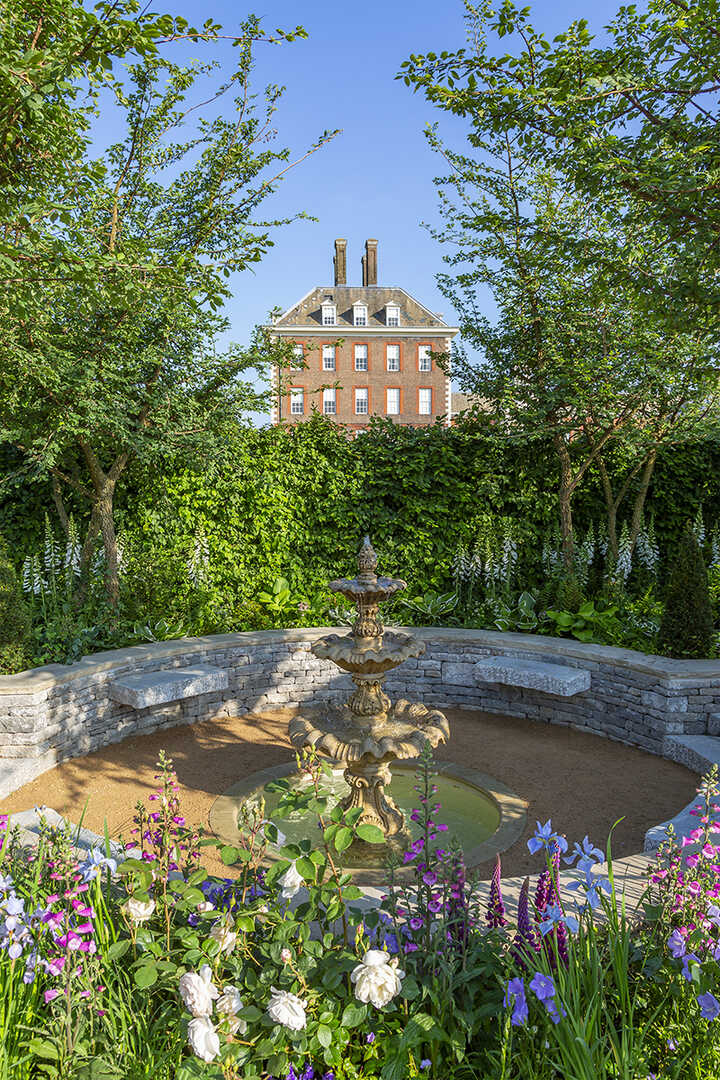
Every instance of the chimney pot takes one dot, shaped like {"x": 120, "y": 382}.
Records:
{"x": 370, "y": 263}
{"x": 340, "y": 262}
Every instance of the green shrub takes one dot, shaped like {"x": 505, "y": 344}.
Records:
{"x": 686, "y": 630}
{"x": 14, "y": 619}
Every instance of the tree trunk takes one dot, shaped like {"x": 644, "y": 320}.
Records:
{"x": 101, "y": 519}
{"x": 639, "y": 505}
{"x": 611, "y": 507}
{"x": 565, "y": 493}
{"x": 107, "y": 528}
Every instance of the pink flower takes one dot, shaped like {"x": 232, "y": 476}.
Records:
{"x": 50, "y": 995}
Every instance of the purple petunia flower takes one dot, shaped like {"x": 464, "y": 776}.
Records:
{"x": 370, "y": 1037}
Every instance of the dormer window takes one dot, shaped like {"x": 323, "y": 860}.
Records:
{"x": 329, "y": 313}
{"x": 360, "y": 312}
{"x": 392, "y": 315}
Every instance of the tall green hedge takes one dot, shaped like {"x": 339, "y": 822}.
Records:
{"x": 295, "y": 502}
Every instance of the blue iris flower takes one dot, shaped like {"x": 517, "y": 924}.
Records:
{"x": 586, "y": 854}
{"x": 553, "y": 915}
{"x": 545, "y": 838}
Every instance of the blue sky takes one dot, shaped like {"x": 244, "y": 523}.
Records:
{"x": 376, "y": 178}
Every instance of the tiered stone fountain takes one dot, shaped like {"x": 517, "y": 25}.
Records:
{"x": 368, "y": 733}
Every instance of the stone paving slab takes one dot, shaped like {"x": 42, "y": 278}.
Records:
{"x": 557, "y": 679}
{"x": 159, "y": 687}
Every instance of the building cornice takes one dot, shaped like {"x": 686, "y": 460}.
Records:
{"x": 361, "y": 331}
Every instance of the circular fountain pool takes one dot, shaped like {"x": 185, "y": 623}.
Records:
{"x": 482, "y": 814}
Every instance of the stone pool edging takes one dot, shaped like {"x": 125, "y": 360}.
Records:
{"x": 58, "y": 712}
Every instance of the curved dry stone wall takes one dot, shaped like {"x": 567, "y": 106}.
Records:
{"x": 58, "y": 712}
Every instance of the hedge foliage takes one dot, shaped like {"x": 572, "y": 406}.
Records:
{"x": 296, "y": 501}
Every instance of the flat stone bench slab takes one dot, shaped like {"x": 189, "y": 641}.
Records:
{"x": 159, "y": 687}
{"x": 533, "y": 675}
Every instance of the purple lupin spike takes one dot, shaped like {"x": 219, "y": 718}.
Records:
{"x": 560, "y": 934}
{"x": 495, "y": 914}
{"x": 542, "y": 894}
{"x": 525, "y": 941}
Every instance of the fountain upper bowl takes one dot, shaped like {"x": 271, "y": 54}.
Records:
{"x": 368, "y": 656}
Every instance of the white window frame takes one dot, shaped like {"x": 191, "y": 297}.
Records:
{"x": 426, "y": 356}
{"x": 329, "y": 314}
{"x": 395, "y": 359}
{"x": 328, "y": 357}
{"x": 298, "y": 354}
{"x": 362, "y": 401}
{"x": 360, "y": 313}
{"x": 362, "y": 358}
{"x": 329, "y": 401}
{"x": 392, "y": 314}
{"x": 425, "y": 390}
{"x": 297, "y": 397}
{"x": 395, "y": 390}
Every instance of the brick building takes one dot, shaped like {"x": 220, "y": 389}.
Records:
{"x": 362, "y": 351}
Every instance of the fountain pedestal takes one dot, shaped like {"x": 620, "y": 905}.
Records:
{"x": 368, "y": 732}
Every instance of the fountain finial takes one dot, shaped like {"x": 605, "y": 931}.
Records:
{"x": 367, "y": 561}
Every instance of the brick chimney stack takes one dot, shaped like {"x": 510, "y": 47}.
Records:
{"x": 369, "y": 263}
{"x": 340, "y": 262}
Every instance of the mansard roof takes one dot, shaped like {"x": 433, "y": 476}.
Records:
{"x": 308, "y": 311}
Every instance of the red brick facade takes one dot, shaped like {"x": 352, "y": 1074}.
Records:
{"x": 397, "y": 340}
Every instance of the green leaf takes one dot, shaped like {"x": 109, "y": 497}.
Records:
{"x": 117, "y": 949}
{"x": 229, "y": 854}
{"x": 146, "y": 975}
{"x": 353, "y": 1015}
{"x": 324, "y": 1035}
{"x": 371, "y": 834}
{"x": 343, "y": 838}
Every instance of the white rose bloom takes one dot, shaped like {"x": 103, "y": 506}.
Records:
{"x": 377, "y": 979}
{"x": 287, "y": 1009}
{"x": 138, "y": 911}
{"x": 203, "y": 1038}
{"x": 197, "y": 991}
{"x": 291, "y": 882}
{"x": 224, "y": 936}
{"x": 230, "y": 1001}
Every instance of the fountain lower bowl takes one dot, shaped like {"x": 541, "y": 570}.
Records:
{"x": 483, "y": 814}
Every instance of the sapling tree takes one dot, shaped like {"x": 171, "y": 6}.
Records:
{"x": 686, "y": 631}
{"x": 120, "y": 364}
